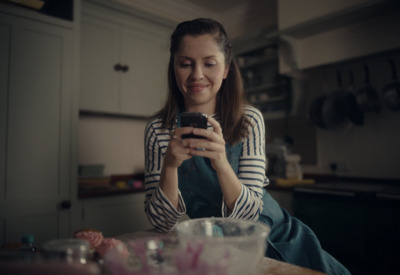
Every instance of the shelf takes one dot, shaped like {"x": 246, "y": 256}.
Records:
{"x": 261, "y": 61}
{"x": 358, "y": 13}
{"x": 263, "y": 87}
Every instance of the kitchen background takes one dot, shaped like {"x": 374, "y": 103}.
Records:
{"x": 89, "y": 71}
{"x": 369, "y": 151}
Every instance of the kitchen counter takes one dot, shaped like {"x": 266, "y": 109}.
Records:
{"x": 344, "y": 184}
{"x": 104, "y": 186}
{"x": 368, "y": 193}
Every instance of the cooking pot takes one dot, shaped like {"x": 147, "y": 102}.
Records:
{"x": 391, "y": 92}
{"x": 335, "y": 110}
{"x": 367, "y": 97}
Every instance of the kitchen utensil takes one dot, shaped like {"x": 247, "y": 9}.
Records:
{"x": 246, "y": 241}
{"x": 336, "y": 110}
{"x": 315, "y": 111}
{"x": 355, "y": 113}
{"x": 293, "y": 168}
{"x": 391, "y": 92}
{"x": 367, "y": 97}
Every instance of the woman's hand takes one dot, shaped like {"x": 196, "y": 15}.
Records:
{"x": 176, "y": 152}
{"x": 213, "y": 147}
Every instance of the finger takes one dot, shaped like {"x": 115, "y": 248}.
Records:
{"x": 209, "y": 135}
{"x": 176, "y": 155}
{"x": 204, "y": 153}
{"x": 206, "y": 145}
{"x": 183, "y": 131}
{"x": 215, "y": 124}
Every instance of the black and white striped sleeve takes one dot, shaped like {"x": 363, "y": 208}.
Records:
{"x": 159, "y": 210}
{"x": 252, "y": 165}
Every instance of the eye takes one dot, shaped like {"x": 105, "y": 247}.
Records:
{"x": 210, "y": 63}
{"x": 185, "y": 64}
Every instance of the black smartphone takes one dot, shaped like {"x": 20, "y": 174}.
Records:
{"x": 193, "y": 119}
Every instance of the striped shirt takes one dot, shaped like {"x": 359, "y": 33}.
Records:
{"x": 252, "y": 164}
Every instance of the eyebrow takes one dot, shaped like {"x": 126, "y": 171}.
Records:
{"x": 207, "y": 57}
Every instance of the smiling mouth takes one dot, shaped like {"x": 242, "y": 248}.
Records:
{"x": 197, "y": 87}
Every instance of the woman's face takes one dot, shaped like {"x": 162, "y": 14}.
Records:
{"x": 199, "y": 67}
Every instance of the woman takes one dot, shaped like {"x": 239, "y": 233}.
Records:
{"x": 227, "y": 176}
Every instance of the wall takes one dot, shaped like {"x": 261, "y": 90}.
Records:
{"x": 118, "y": 143}
{"x": 293, "y": 12}
{"x": 371, "y": 150}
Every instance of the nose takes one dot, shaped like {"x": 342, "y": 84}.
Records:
{"x": 197, "y": 72}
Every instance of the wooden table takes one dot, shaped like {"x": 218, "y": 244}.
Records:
{"x": 266, "y": 265}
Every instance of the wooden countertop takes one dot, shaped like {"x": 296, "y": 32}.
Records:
{"x": 266, "y": 265}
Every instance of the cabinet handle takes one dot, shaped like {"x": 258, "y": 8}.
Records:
{"x": 125, "y": 68}
{"x": 118, "y": 67}
{"x": 66, "y": 204}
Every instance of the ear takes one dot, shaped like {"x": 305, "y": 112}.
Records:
{"x": 226, "y": 71}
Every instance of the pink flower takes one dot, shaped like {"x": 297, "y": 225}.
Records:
{"x": 107, "y": 244}
{"x": 93, "y": 237}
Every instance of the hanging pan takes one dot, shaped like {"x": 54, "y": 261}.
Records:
{"x": 391, "y": 92}
{"x": 336, "y": 110}
{"x": 367, "y": 97}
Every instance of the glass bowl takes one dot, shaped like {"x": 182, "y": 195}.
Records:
{"x": 245, "y": 242}
{"x": 165, "y": 255}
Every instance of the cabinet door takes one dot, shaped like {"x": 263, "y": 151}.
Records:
{"x": 144, "y": 86}
{"x": 37, "y": 157}
{"x": 384, "y": 239}
{"x": 99, "y": 54}
{"x": 5, "y": 35}
{"x": 339, "y": 223}
{"x": 116, "y": 215}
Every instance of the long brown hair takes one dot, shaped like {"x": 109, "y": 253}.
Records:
{"x": 230, "y": 100}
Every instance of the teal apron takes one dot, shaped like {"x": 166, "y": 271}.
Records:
{"x": 290, "y": 240}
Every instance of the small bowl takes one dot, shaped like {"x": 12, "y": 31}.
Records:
{"x": 245, "y": 241}
{"x": 70, "y": 250}
{"x": 164, "y": 255}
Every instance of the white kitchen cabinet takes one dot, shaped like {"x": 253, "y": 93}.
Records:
{"x": 115, "y": 215}
{"x": 35, "y": 122}
{"x": 124, "y": 63}
{"x": 334, "y": 31}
